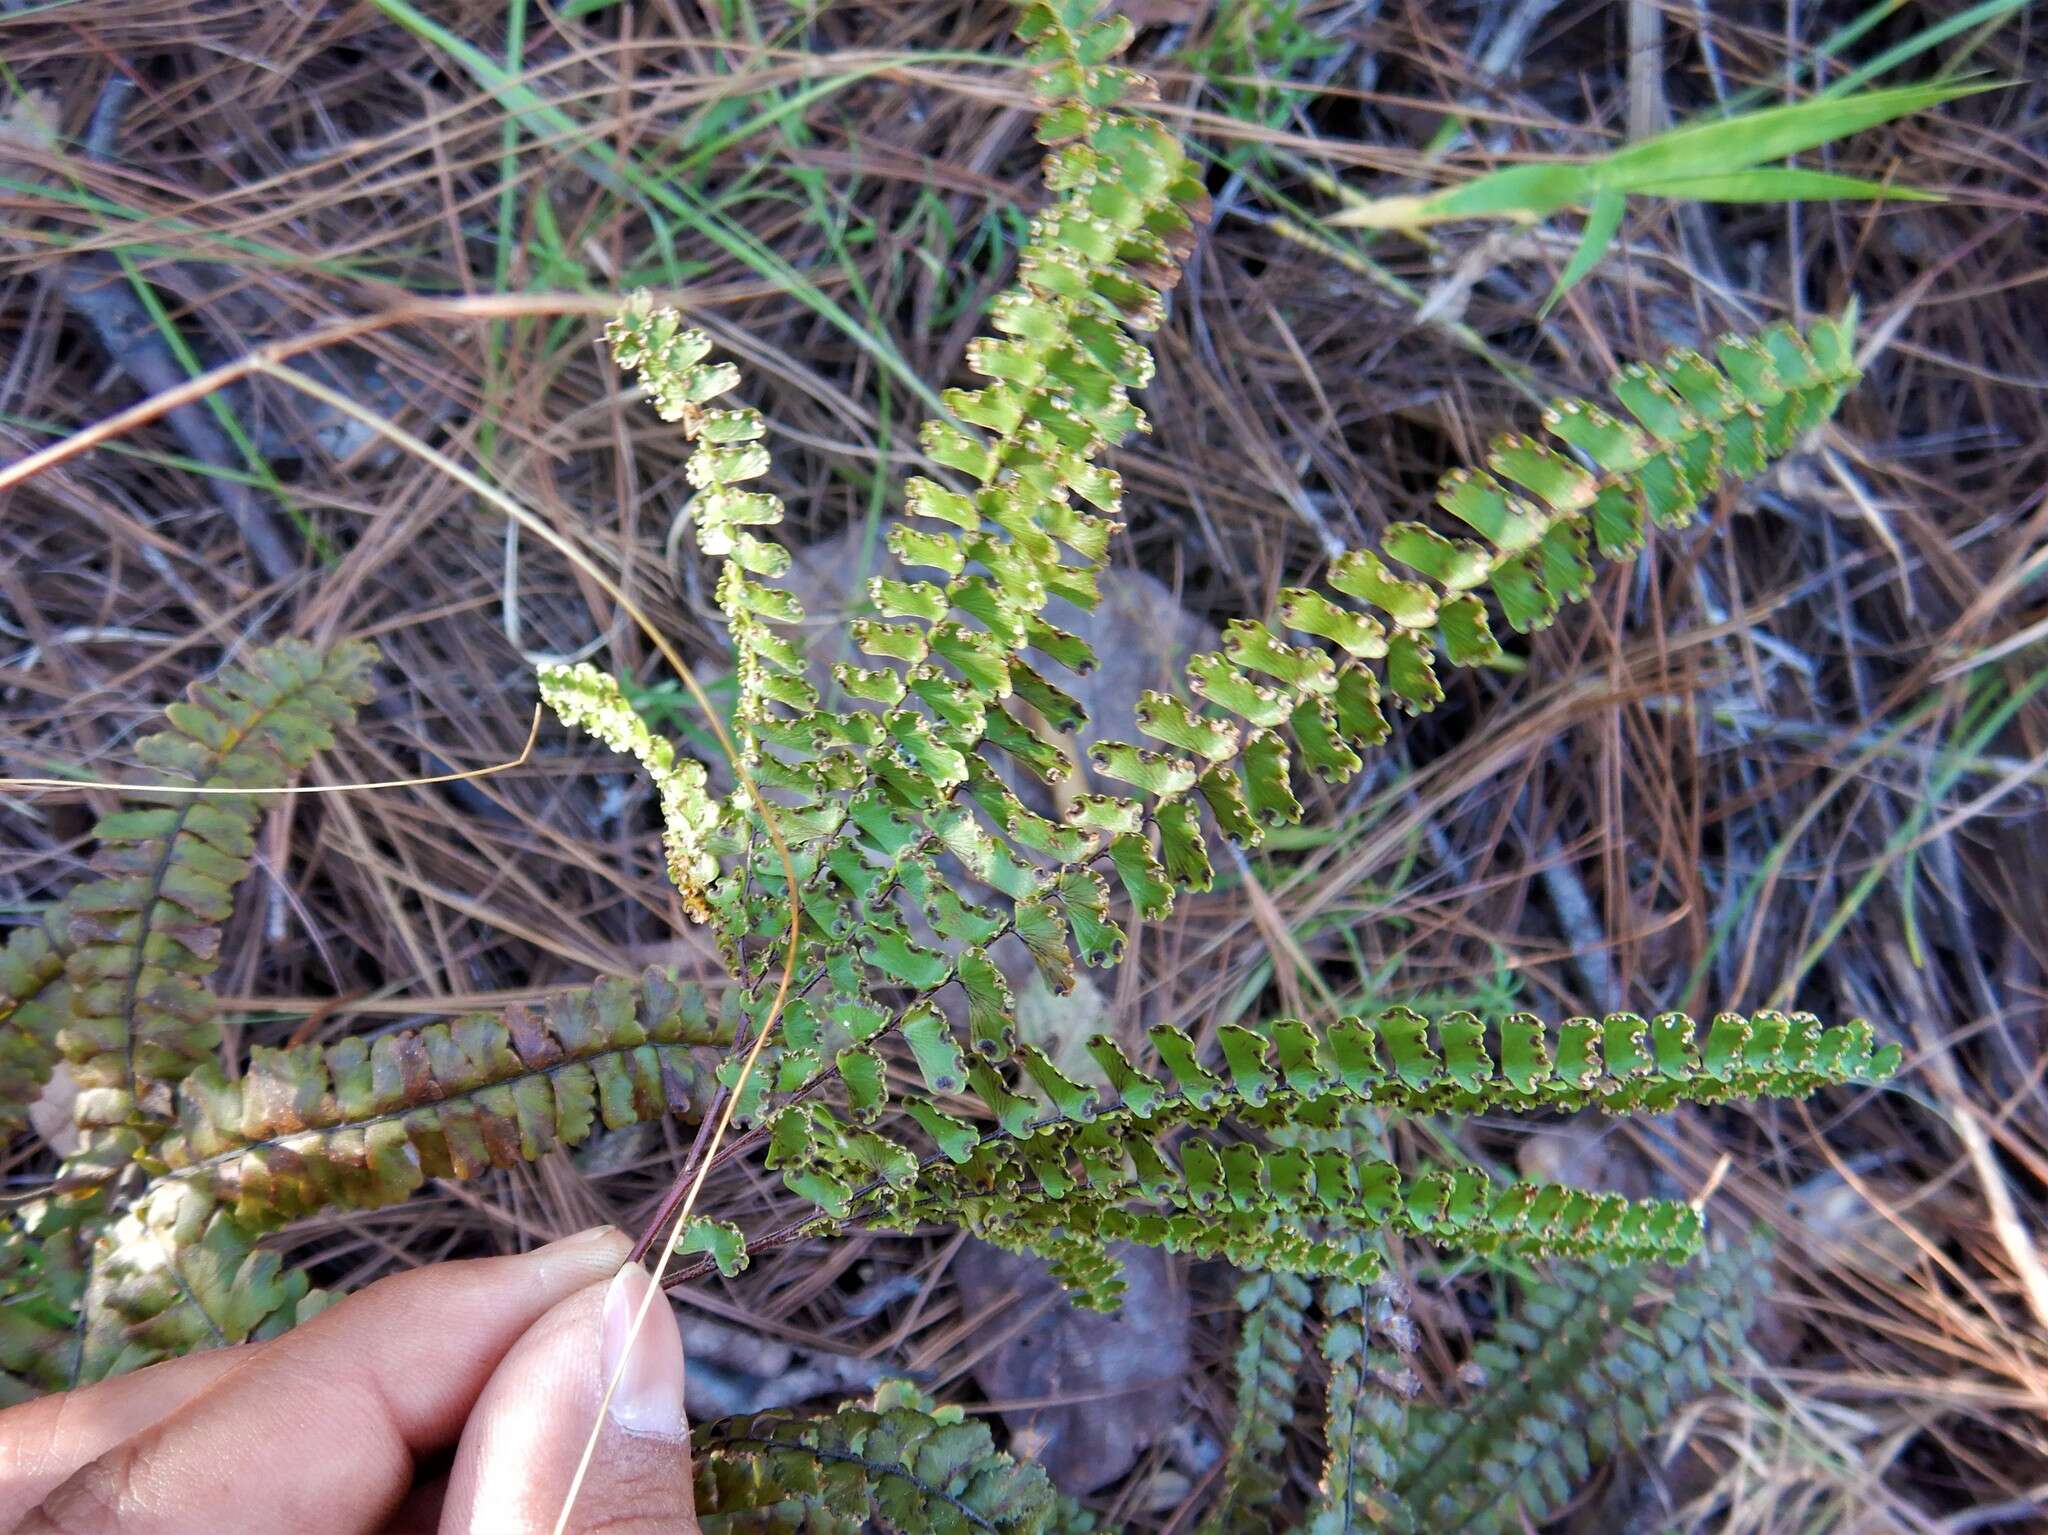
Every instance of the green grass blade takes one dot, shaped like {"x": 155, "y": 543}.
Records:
{"x": 1519, "y": 191}
{"x": 1784, "y": 184}
{"x": 1738, "y": 143}
{"x": 1700, "y": 160}
{"x": 623, "y": 172}
{"x": 1988, "y": 13}
{"x": 1603, "y": 223}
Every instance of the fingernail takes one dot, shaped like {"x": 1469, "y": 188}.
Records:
{"x": 586, "y": 1238}
{"x": 582, "y": 1259}
{"x": 649, "y": 1396}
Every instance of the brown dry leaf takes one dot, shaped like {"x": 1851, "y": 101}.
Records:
{"x": 1584, "y": 1153}
{"x": 1088, "y": 1392}
{"x": 52, "y": 1115}
{"x": 1060, "y": 1025}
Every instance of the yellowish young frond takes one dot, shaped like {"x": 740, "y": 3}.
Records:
{"x": 584, "y": 698}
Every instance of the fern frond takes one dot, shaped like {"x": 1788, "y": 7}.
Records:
{"x": 88, "y": 1290}
{"x": 1698, "y": 425}
{"x": 1068, "y": 1192}
{"x": 774, "y": 697}
{"x": 917, "y": 848}
{"x": 174, "y": 1274}
{"x": 1622, "y": 1063}
{"x": 868, "y": 796}
{"x": 354, "y": 1125}
{"x": 35, "y": 999}
{"x": 587, "y": 699}
{"x": 1537, "y": 512}
{"x": 114, "y": 980}
{"x": 1063, "y": 1164}
{"x": 45, "y": 1257}
{"x": 781, "y": 744}
{"x": 1364, "y": 1424}
{"x": 362, "y": 1123}
{"x": 897, "y": 1462}
{"x": 147, "y": 932}
{"x": 885, "y": 804}
{"x": 863, "y": 855}
{"x": 1570, "y": 1380}
{"x": 1272, "y": 1342}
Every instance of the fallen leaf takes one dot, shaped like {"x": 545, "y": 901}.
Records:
{"x": 1091, "y": 1391}
{"x": 52, "y": 1114}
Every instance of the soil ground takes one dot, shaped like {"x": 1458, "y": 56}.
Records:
{"x": 1796, "y": 755}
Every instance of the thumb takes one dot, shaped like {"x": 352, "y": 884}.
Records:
{"x": 526, "y": 1435}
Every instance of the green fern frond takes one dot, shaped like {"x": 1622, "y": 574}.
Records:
{"x": 45, "y": 1257}
{"x": 362, "y": 1123}
{"x": 1698, "y": 425}
{"x": 1272, "y": 1342}
{"x": 1623, "y": 1063}
{"x": 882, "y": 805}
{"x": 89, "y": 1289}
{"x": 1537, "y": 512}
{"x": 767, "y": 664}
{"x": 862, "y": 853}
{"x": 147, "y": 932}
{"x": 898, "y": 1088}
{"x": 867, "y": 796}
{"x": 35, "y": 999}
{"x": 1571, "y": 1379}
{"x": 897, "y": 1462}
{"x": 96, "y": 1282}
{"x": 1070, "y": 1190}
{"x": 354, "y": 1125}
{"x": 1364, "y": 1424}
{"x": 1063, "y": 1164}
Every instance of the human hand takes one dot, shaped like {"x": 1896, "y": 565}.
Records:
{"x": 456, "y": 1398}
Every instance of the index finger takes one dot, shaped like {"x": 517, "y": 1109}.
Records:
{"x": 42, "y": 1442}
{"x": 321, "y": 1431}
